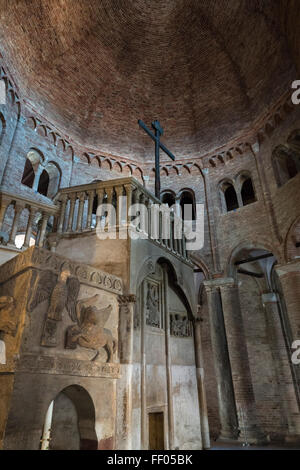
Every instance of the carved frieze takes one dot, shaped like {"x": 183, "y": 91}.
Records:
{"x": 153, "y": 305}
{"x": 66, "y": 366}
{"x": 180, "y": 325}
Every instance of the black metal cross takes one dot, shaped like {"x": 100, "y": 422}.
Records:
{"x": 158, "y": 132}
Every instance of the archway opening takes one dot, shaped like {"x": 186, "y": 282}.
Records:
{"x": 70, "y": 421}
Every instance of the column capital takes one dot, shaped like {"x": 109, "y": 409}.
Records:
{"x": 269, "y": 298}
{"x": 222, "y": 282}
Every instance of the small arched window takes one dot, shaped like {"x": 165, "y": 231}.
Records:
{"x": 230, "y": 198}
{"x": 28, "y": 174}
{"x": 187, "y": 203}
{"x": 43, "y": 183}
{"x": 247, "y": 192}
{"x": 168, "y": 198}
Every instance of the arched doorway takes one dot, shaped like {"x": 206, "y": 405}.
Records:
{"x": 70, "y": 421}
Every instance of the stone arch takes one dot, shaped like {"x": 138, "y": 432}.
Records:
{"x": 149, "y": 266}
{"x": 292, "y": 241}
{"x": 247, "y": 249}
{"x": 168, "y": 197}
{"x": 74, "y": 401}
{"x": 117, "y": 167}
{"x": 286, "y": 163}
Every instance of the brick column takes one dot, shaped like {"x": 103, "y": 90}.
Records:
{"x": 241, "y": 375}
{"x": 289, "y": 276}
{"x": 284, "y": 371}
{"x": 227, "y": 409}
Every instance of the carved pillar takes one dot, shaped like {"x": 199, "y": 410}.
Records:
{"x": 32, "y": 213}
{"x": 226, "y": 400}
{"x": 18, "y": 210}
{"x": 91, "y": 195}
{"x": 4, "y": 206}
{"x": 238, "y": 353}
{"x": 43, "y": 230}
{"x": 80, "y": 212}
{"x": 126, "y": 312}
{"x": 200, "y": 384}
{"x": 71, "y": 212}
{"x": 62, "y": 214}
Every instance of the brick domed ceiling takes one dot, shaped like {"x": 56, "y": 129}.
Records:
{"x": 205, "y": 68}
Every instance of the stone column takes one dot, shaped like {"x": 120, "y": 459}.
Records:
{"x": 32, "y": 213}
{"x": 71, "y": 212}
{"x": 227, "y": 408}
{"x": 43, "y": 230}
{"x": 200, "y": 385}
{"x": 18, "y": 211}
{"x": 62, "y": 214}
{"x": 238, "y": 354}
{"x": 126, "y": 312}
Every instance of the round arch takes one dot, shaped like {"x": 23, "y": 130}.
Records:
{"x": 73, "y": 404}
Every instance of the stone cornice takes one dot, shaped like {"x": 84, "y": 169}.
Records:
{"x": 45, "y": 260}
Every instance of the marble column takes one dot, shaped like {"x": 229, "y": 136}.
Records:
{"x": 227, "y": 409}
{"x": 126, "y": 313}
{"x": 239, "y": 360}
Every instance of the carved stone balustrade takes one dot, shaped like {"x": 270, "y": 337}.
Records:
{"x": 25, "y": 216}
{"x": 78, "y": 213}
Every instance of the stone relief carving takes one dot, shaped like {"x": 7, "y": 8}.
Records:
{"x": 180, "y": 325}
{"x": 63, "y": 291}
{"x": 89, "y": 332}
{"x": 8, "y": 323}
{"x": 153, "y": 315}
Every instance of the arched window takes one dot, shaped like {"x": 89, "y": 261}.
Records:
{"x": 43, "y": 183}
{"x": 187, "y": 203}
{"x": 168, "y": 198}
{"x": 247, "y": 192}
{"x": 230, "y": 198}
{"x": 33, "y": 160}
{"x": 28, "y": 174}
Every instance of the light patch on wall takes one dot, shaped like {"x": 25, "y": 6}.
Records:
{"x": 19, "y": 240}
{"x": 2, "y": 92}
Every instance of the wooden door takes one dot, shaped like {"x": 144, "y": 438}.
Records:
{"x": 156, "y": 431}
